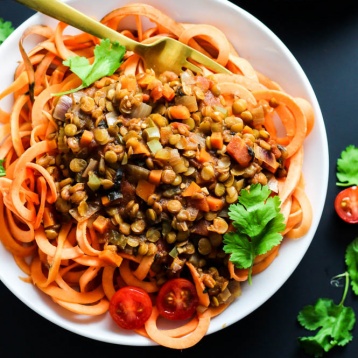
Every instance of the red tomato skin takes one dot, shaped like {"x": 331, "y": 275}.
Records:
{"x": 177, "y": 299}
{"x": 346, "y": 204}
{"x": 130, "y": 307}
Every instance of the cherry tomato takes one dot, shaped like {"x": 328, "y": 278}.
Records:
{"x": 346, "y": 204}
{"x": 130, "y": 307}
{"x": 177, "y": 299}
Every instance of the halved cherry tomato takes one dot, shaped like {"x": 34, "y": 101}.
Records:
{"x": 130, "y": 307}
{"x": 177, "y": 299}
{"x": 346, "y": 204}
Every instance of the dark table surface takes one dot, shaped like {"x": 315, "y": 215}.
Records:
{"x": 323, "y": 37}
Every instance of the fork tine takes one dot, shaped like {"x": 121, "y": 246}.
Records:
{"x": 212, "y": 65}
{"x": 192, "y": 67}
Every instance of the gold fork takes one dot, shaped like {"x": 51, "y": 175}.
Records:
{"x": 163, "y": 54}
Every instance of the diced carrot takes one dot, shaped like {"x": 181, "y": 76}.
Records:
{"x": 105, "y": 200}
{"x": 215, "y": 204}
{"x": 238, "y": 150}
{"x": 86, "y": 138}
{"x": 101, "y": 224}
{"x": 129, "y": 83}
{"x": 141, "y": 148}
{"x": 155, "y": 176}
{"x": 216, "y": 140}
{"x": 137, "y": 146}
{"x": 110, "y": 257}
{"x": 203, "y": 156}
{"x": 199, "y": 203}
{"x": 168, "y": 92}
{"x": 145, "y": 80}
{"x": 145, "y": 189}
{"x": 179, "y": 112}
{"x": 191, "y": 189}
{"x": 157, "y": 92}
{"x": 165, "y": 133}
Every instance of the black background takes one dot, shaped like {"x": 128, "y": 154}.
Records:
{"x": 324, "y": 39}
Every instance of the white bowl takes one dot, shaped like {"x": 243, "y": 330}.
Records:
{"x": 255, "y": 42}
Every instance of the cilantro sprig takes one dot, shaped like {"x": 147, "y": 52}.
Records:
{"x": 332, "y": 322}
{"x": 258, "y": 223}
{"x": 347, "y": 167}
{"x": 6, "y": 29}
{"x": 108, "y": 57}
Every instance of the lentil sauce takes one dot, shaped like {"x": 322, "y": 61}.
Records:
{"x": 147, "y": 159}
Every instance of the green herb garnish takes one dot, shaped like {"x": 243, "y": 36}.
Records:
{"x": 2, "y": 169}
{"x": 351, "y": 259}
{"x": 258, "y": 223}
{"x": 333, "y": 322}
{"x": 108, "y": 57}
{"x": 347, "y": 167}
{"x": 6, "y": 29}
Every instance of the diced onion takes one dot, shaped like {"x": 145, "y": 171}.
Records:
{"x": 142, "y": 111}
{"x": 63, "y": 105}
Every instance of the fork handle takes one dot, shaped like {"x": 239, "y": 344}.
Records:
{"x": 69, "y": 15}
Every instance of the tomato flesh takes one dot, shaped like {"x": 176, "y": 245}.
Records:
{"x": 346, "y": 204}
{"x": 130, "y": 307}
{"x": 177, "y": 299}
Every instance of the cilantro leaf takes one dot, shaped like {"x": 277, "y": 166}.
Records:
{"x": 107, "y": 59}
{"x": 351, "y": 259}
{"x": 6, "y": 29}
{"x": 240, "y": 248}
{"x": 333, "y": 322}
{"x": 250, "y": 215}
{"x": 347, "y": 167}
{"x": 258, "y": 223}
{"x": 2, "y": 169}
